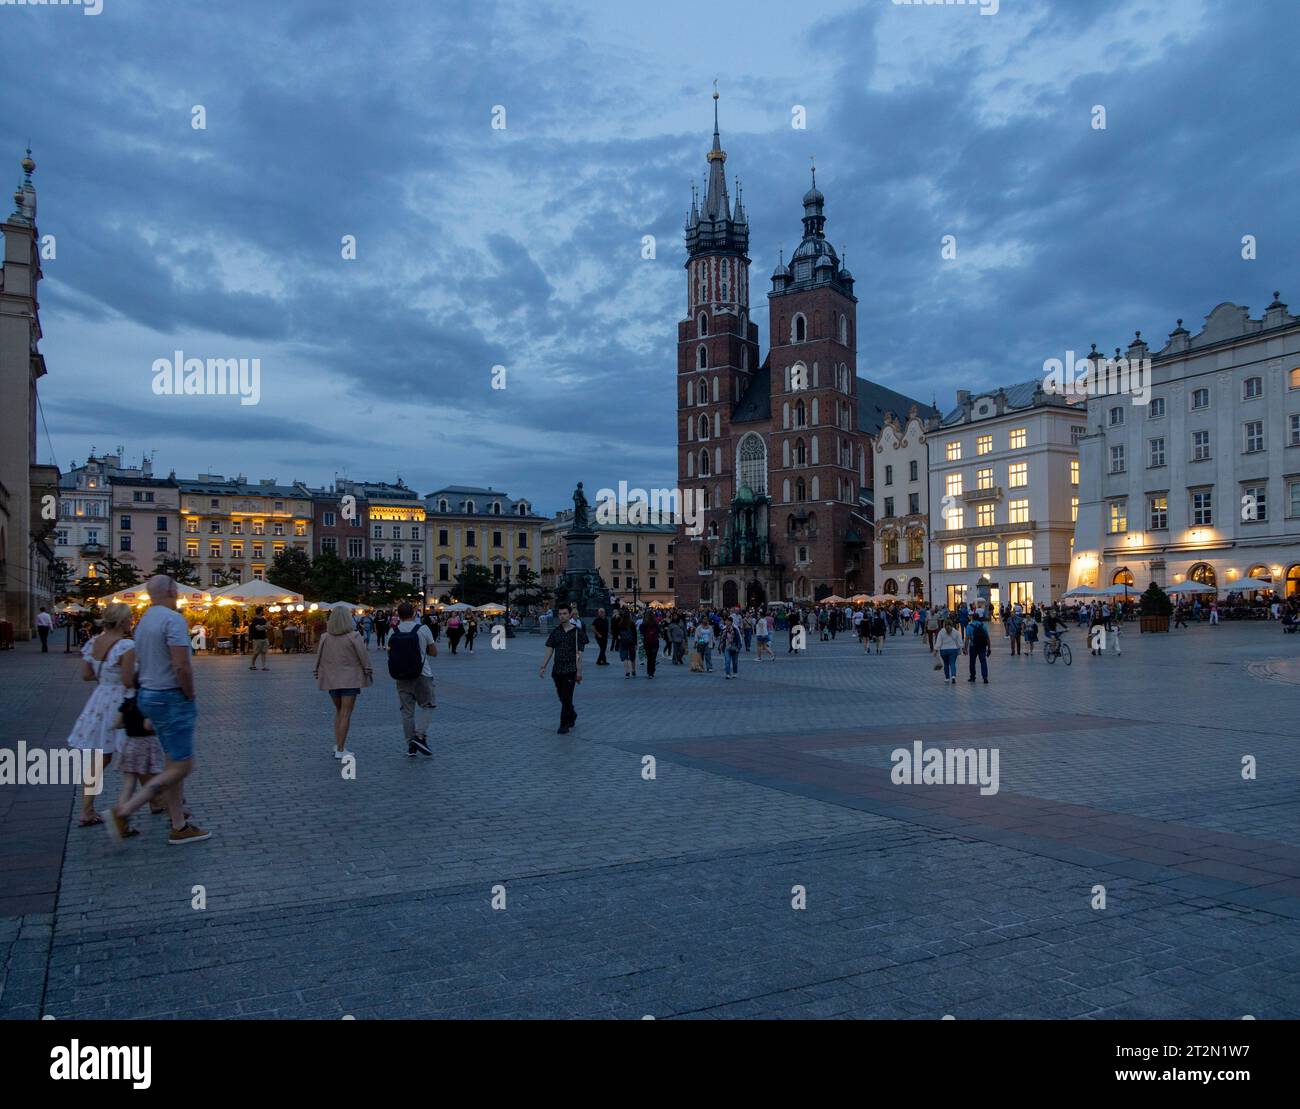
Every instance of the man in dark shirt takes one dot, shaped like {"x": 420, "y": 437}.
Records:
{"x": 257, "y": 637}
{"x": 565, "y": 643}
{"x": 600, "y": 626}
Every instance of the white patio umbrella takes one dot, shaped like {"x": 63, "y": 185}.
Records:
{"x": 492, "y": 607}
{"x": 1085, "y": 591}
{"x": 1119, "y": 589}
{"x": 257, "y": 592}
{"x": 459, "y": 606}
{"x": 1193, "y": 587}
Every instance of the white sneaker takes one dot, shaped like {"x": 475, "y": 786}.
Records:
{"x": 341, "y": 755}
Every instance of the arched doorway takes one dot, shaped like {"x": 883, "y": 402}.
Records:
{"x": 1293, "y": 581}
{"x": 822, "y": 591}
{"x": 1203, "y": 573}
{"x": 890, "y": 587}
{"x": 1122, "y": 576}
{"x": 730, "y": 594}
{"x": 755, "y": 595}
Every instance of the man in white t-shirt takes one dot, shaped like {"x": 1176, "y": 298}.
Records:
{"x": 164, "y": 676}
{"x": 44, "y": 625}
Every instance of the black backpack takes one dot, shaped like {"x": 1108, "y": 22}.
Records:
{"x": 404, "y": 656}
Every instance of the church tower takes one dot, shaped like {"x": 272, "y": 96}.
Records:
{"x": 717, "y": 359}
{"x": 819, "y": 461}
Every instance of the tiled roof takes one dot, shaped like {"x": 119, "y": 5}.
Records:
{"x": 875, "y": 400}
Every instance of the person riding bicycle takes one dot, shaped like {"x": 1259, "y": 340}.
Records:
{"x": 1053, "y": 626}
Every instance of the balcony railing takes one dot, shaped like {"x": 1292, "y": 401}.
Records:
{"x": 992, "y": 493}
{"x": 980, "y": 530}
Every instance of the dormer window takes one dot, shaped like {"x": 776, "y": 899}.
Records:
{"x": 469, "y": 506}
{"x": 442, "y": 505}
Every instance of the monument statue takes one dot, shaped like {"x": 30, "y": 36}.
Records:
{"x": 580, "y": 522}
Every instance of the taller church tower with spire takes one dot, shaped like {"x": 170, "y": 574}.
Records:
{"x": 772, "y": 448}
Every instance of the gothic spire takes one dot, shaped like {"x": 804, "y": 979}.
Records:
{"x": 717, "y": 205}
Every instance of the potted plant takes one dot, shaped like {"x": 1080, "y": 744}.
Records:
{"x": 1156, "y": 610}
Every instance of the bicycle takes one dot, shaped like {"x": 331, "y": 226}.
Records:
{"x": 1054, "y": 648}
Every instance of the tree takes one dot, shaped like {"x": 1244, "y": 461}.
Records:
{"x": 224, "y": 577}
{"x": 475, "y": 585}
{"x": 382, "y": 581}
{"x": 1156, "y": 602}
{"x": 61, "y": 580}
{"x": 333, "y": 579}
{"x": 291, "y": 569}
{"x": 182, "y": 569}
{"x": 111, "y": 575}
{"x": 527, "y": 589}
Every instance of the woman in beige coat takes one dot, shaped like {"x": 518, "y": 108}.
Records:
{"x": 343, "y": 670}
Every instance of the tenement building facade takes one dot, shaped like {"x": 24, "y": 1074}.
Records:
{"x": 232, "y": 529}
{"x": 1004, "y": 494}
{"x": 771, "y": 448}
{"x": 1202, "y": 482}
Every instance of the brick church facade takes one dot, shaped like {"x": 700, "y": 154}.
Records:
{"x": 773, "y": 446}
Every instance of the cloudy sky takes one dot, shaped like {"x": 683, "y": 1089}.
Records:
{"x": 521, "y": 246}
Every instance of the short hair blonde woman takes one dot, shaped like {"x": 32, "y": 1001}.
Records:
{"x": 340, "y": 621}
{"x": 343, "y": 670}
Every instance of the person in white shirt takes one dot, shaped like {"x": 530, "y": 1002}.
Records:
{"x": 44, "y": 625}
{"x": 948, "y": 642}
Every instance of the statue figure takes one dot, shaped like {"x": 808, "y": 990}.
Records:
{"x": 580, "y": 510}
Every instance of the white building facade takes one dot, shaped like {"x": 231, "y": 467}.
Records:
{"x": 902, "y": 503}
{"x": 1202, "y": 482}
{"x": 1004, "y": 489}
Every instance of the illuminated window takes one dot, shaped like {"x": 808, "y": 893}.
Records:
{"x": 1158, "y": 512}
{"x": 1018, "y": 438}
{"x": 1020, "y": 552}
{"x": 984, "y": 514}
{"x": 952, "y": 485}
{"x": 986, "y": 555}
{"x": 1074, "y": 510}
{"x": 954, "y": 451}
{"x": 1074, "y": 471}
{"x": 984, "y": 444}
{"x": 1018, "y": 511}
{"x": 984, "y": 478}
{"x": 1118, "y": 517}
{"x": 1018, "y": 475}
{"x": 954, "y": 557}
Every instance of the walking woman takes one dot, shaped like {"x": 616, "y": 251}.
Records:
{"x": 650, "y": 638}
{"x": 948, "y": 640}
{"x": 625, "y": 637}
{"x": 108, "y": 660}
{"x": 732, "y": 641}
{"x": 453, "y": 632}
{"x": 471, "y": 633}
{"x": 343, "y": 670}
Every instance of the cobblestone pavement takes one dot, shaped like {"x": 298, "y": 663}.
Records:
{"x": 673, "y": 896}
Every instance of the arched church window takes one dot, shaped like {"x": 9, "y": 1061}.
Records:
{"x": 753, "y": 463}
{"x": 800, "y": 490}
{"x": 704, "y": 462}
{"x": 800, "y": 329}
{"x": 704, "y": 426}
{"x": 702, "y": 358}
{"x": 703, "y": 325}
{"x": 800, "y": 419}
{"x": 800, "y": 453}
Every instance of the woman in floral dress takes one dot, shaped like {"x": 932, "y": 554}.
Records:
{"x": 108, "y": 660}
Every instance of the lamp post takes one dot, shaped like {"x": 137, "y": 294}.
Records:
{"x": 636, "y": 590}
{"x": 505, "y": 586}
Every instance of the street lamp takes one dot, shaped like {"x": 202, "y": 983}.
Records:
{"x": 636, "y": 589}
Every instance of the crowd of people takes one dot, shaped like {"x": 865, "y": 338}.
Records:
{"x": 142, "y": 712}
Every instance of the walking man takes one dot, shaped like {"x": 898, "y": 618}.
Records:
{"x": 44, "y": 624}
{"x": 600, "y": 626}
{"x": 565, "y": 644}
{"x": 258, "y": 638}
{"x": 165, "y": 678}
{"x": 978, "y": 646}
{"x": 411, "y": 651}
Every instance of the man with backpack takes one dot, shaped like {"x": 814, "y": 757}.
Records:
{"x": 978, "y": 646}
{"x": 411, "y": 650}
{"x": 565, "y": 643}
